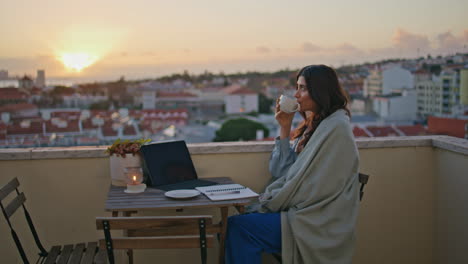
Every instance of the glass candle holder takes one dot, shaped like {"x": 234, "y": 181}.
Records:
{"x": 134, "y": 179}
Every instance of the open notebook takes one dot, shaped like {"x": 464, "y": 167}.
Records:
{"x": 226, "y": 192}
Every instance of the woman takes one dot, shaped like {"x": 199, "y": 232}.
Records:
{"x": 309, "y": 211}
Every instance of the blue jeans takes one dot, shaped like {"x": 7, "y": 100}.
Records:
{"x": 249, "y": 235}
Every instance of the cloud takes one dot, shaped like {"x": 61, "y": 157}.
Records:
{"x": 447, "y": 42}
{"x": 409, "y": 41}
{"x": 347, "y": 48}
{"x": 309, "y": 47}
{"x": 263, "y": 49}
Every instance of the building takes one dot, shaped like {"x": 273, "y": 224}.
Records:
{"x": 464, "y": 86}
{"x": 396, "y": 106}
{"x": 438, "y": 94}
{"x": 3, "y": 74}
{"x": 82, "y": 100}
{"x": 373, "y": 83}
{"x": 240, "y": 99}
{"x": 25, "y": 83}
{"x": 396, "y": 78}
{"x": 20, "y": 110}
{"x": 175, "y": 100}
{"x": 383, "y": 82}
{"x": 40, "y": 79}
{"x": 12, "y": 96}
{"x": 148, "y": 99}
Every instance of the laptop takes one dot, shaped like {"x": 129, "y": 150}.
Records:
{"x": 170, "y": 167}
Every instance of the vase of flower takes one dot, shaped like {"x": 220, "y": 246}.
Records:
{"x": 124, "y": 154}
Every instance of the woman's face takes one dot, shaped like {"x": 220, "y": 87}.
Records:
{"x": 303, "y": 98}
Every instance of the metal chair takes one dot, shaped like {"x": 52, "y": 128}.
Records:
{"x": 79, "y": 253}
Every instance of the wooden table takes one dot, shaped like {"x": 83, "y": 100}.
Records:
{"x": 154, "y": 199}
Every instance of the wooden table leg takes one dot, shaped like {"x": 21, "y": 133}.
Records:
{"x": 130, "y": 251}
{"x": 240, "y": 209}
{"x": 222, "y": 235}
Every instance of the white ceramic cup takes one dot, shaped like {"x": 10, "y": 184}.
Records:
{"x": 288, "y": 104}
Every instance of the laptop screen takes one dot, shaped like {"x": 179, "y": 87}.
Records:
{"x": 168, "y": 162}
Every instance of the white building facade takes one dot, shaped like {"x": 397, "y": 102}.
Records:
{"x": 396, "y": 107}
{"x": 388, "y": 80}
{"x": 396, "y": 78}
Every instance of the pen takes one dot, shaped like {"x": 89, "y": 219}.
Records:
{"x": 221, "y": 193}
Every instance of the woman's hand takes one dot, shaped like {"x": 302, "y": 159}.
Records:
{"x": 284, "y": 120}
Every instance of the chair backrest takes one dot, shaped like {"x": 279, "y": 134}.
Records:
{"x": 10, "y": 208}
{"x": 363, "y": 179}
{"x": 148, "y": 232}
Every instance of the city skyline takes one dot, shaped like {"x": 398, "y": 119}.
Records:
{"x": 153, "y": 38}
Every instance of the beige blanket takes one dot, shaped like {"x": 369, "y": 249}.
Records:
{"x": 319, "y": 196}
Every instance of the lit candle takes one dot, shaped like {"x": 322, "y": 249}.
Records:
{"x": 134, "y": 179}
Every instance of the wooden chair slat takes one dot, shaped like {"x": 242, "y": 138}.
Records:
{"x": 53, "y": 254}
{"x": 157, "y": 242}
{"x": 101, "y": 257}
{"x": 65, "y": 254}
{"x": 77, "y": 254}
{"x": 173, "y": 231}
{"x": 8, "y": 188}
{"x": 70, "y": 254}
{"x": 151, "y": 222}
{"x": 16, "y": 203}
{"x": 88, "y": 255}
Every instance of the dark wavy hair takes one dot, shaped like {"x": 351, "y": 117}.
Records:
{"x": 325, "y": 89}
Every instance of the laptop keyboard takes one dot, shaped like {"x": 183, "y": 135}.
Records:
{"x": 185, "y": 185}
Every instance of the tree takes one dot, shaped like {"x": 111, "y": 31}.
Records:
{"x": 264, "y": 104}
{"x": 102, "y": 105}
{"x": 239, "y": 129}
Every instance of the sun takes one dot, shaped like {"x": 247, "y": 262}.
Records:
{"x": 77, "y": 61}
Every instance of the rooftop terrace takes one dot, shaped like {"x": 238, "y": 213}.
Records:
{"x": 414, "y": 208}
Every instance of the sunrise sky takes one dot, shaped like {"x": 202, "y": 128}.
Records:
{"x": 105, "y": 39}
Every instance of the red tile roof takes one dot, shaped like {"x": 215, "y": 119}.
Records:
{"x": 66, "y": 115}
{"x": 17, "y": 107}
{"x": 12, "y": 94}
{"x": 32, "y": 127}
{"x": 416, "y": 130}
{"x": 236, "y": 89}
{"x": 384, "y": 131}
{"x": 174, "y": 94}
{"x": 71, "y": 126}
{"x": 101, "y": 113}
{"x": 359, "y": 132}
{"x": 88, "y": 124}
{"x": 422, "y": 71}
{"x": 129, "y": 131}
{"x": 243, "y": 90}
{"x": 447, "y": 126}
{"x": 108, "y": 131}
